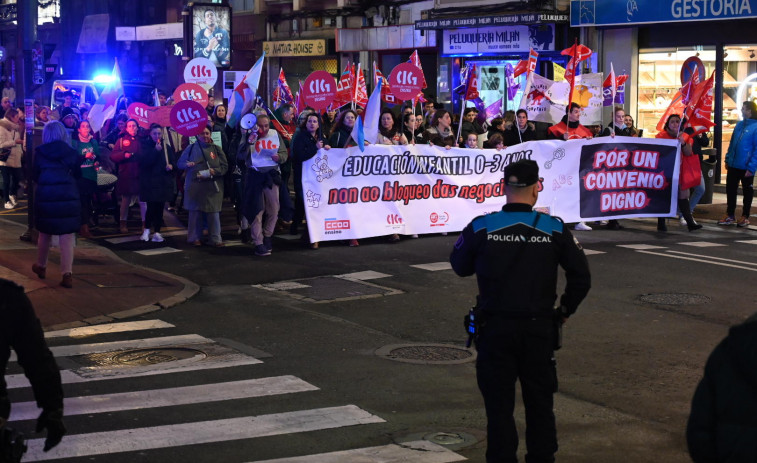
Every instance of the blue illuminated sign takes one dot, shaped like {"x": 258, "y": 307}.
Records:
{"x": 630, "y": 12}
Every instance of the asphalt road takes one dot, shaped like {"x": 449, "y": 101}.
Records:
{"x": 627, "y": 371}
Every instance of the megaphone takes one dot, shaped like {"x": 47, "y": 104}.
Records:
{"x": 248, "y": 121}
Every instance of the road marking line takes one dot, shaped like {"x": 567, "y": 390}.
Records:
{"x": 282, "y": 286}
{"x": 123, "y": 239}
{"x": 361, "y": 276}
{"x": 590, "y": 252}
{"x": 146, "y": 343}
{"x": 702, "y": 244}
{"x": 202, "y": 432}
{"x": 415, "y": 451}
{"x": 639, "y": 247}
{"x": 108, "y": 328}
{"x": 434, "y": 266}
{"x": 698, "y": 260}
{"x": 87, "y": 374}
{"x": 747, "y": 241}
{"x": 170, "y": 397}
{"x": 158, "y": 251}
{"x": 715, "y": 258}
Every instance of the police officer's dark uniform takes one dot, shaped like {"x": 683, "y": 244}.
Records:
{"x": 515, "y": 254}
{"x": 20, "y": 329}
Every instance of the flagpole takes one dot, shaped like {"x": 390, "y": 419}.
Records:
{"x": 462, "y": 109}
{"x": 156, "y": 100}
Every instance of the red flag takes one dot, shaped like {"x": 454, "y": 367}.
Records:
{"x": 282, "y": 94}
{"x": 577, "y": 54}
{"x": 676, "y": 107}
{"x": 520, "y": 68}
{"x": 299, "y": 102}
{"x": 361, "y": 90}
{"x": 386, "y": 90}
{"x": 471, "y": 85}
{"x": 343, "y": 88}
{"x": 532, "y": 57}
{"x": 698, "y": 114}
{"x": 415, "y": 60}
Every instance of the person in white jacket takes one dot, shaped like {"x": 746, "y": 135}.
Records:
{"x": 11, "y": 153}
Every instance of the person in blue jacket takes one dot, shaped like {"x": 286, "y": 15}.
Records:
{"x": 741, "y": 163}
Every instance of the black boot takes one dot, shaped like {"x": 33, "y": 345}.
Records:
{"x": 661, "y": 224}
{"x": 685, "y": 208}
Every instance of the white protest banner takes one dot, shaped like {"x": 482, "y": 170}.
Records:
{"x": 426, "y": 189}
{"x": 546, "y": 99}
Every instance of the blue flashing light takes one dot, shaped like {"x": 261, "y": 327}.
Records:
{"x": 103, "y": 78}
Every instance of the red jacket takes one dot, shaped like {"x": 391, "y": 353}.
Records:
{"x": 558, "y": 130}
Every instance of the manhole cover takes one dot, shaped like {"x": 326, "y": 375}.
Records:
{"x": 426, "y": 353}
{"x": 143, "y": 357}
{"x": 675, "y": 299}
{"x": 451, "y": 440}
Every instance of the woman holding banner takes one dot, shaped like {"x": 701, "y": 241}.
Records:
{"x": 341, "y": 134}
{"x": 410, "y": 129}
{"x": 156, "y": 181}
{"x": 389, "y": 134}
{"x": 440, "y": 132}
{"x": 688, "y": 159}
{"x": 305, "y": 144}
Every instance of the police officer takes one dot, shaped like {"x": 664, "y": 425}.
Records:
{"x": 21, "y": 330}
{"x": 515, "y": 254}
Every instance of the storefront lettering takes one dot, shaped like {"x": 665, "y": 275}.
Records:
{"x": 293, "y": 48}
{"x": 485, "y": 37}
{"x": 709, "y": 8}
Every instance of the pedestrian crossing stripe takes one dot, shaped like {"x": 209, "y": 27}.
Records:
{"x": 701, "y": 244}
{"x": 415, "y": 451}
{"x": 201, "y": 432}
{"x": 434, "y": 266}
{"x": 147, "y": 343}
{"x": 158, "y": 251}
{"x": 106, "y": 328}
{"x": 213, "y": 356}
{"x": 169, "y": 397}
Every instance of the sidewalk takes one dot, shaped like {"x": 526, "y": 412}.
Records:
{"x": 106, "y": 288}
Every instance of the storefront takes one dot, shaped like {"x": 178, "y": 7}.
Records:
{"x": 491, "y": 43}
{"x": 667, "y": 33}
{"x": 387, "y": 47}
{"x": 299, "y": 58}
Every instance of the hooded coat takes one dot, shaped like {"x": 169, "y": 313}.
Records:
{"x": 57, "y": 209}
{"x": 723, "y": 422}
{"x": 9, "y": 132}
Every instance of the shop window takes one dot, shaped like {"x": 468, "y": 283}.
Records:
{"x": 329, "y": 65}
{"x": 660, "y": 78}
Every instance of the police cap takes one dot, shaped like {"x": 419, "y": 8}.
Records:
{"x": 522, "y": 173}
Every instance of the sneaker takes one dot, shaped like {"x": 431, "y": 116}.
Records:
{"x": 727, "y": 220}
{"x": 13, "y": 200}
{"x": 157, "y": 238}
{"x": 581, "y": 226}
{"x": 261, "y": 250}
{"x": 682, "y": 221}
{"x": 145, "y": 235}
{"x": 743, "y": 222}
{"x": 268, "y": 243}
{"x": 8, "y": 205}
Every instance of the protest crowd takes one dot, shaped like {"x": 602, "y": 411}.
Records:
{"x": 249, "y": 157}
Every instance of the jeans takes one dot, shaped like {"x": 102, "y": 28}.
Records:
{"x": 697, "y": 194}
{"x": 194, "y": 226}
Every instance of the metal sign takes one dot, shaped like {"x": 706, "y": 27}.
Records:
{"x": 616, "y": 12}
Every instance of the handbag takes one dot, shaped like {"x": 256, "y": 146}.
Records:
{"x": 5, "y": 154}
{"x": 691, "y": 172}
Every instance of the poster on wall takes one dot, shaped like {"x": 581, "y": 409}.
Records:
{"x": 211, "y": 29}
